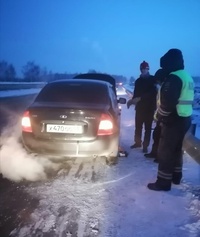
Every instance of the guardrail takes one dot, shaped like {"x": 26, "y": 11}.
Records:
{"x": 191, "y": 144}
{"x": 20, "y": 85}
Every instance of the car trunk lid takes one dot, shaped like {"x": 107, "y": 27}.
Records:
{"x": 64, "y": 121}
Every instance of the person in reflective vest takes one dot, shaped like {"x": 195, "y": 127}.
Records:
{"x": 174, "y": 115}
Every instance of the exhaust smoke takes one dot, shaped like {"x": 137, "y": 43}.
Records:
{"x": 15, "y": 163}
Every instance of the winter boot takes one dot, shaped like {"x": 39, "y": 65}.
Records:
{"x": 176, "y": 178}
{"x": 160, "y": 185}
{"x": 136, "y": 145}
{"x": 145, "y": 150}
{"x": 150, "y": 155}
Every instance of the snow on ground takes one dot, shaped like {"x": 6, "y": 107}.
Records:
{"x": 92, "y": 199}
{"x": 117, "y": 204}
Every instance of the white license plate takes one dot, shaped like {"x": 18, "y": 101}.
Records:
{"x": 55, "y": 128}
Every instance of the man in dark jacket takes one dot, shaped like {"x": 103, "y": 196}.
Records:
{"x": 144, "y": 99}
{"x": 174, "y": 114}
{"x": 159, "y": 76}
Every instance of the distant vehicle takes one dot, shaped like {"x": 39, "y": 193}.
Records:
{"x": 119, "y": 83}
{"x": 120, "y": 90}
{"x": 74, "y": 118}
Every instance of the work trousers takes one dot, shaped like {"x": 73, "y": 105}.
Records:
{"x": 156, "y": 138}
{"x": 146, "y": 119}
{"x": 170, "y": 149}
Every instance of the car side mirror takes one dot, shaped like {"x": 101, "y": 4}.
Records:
{"x": 121, "y": 100}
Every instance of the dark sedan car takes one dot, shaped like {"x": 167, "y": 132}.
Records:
{"x": 74, "y": 118}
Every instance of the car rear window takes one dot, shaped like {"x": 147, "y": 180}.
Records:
{"x": 74, "y": 93}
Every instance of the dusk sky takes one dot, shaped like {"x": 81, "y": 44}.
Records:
{"x": 111, "y": 36}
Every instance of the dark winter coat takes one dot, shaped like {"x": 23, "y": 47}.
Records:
{"x": 171, "y": 88}
{"x": 146, "y": 89}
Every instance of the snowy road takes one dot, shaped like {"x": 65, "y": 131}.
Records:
{"x": 91, "y": 199}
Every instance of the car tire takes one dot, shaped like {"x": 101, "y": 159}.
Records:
{"x": 111, "y": 160}
{"x": 20, "y": 140}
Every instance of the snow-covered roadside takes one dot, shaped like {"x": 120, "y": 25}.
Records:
{"x": 196, "y": 119}
{"x": 12, "y": 93}
{"x": 93, "y": 199}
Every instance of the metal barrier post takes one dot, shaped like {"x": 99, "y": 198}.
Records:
{"x": 193, "y": 129}
{"x": 199, "y": 173}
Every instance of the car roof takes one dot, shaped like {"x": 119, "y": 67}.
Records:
{"x": 68, "y": 81}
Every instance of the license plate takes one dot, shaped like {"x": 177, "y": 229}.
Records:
{"x": 55, "y": 128}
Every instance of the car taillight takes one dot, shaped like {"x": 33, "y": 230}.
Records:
{"x": 26, "y": 122}
{"x": 105, "y": 125}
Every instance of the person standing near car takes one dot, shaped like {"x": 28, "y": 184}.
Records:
{"x": 174, "y": 114}
{"x": 144, "y": 99}
{"x": 159, "y": 76}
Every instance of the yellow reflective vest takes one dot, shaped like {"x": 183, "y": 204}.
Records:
{"x": 184, "y": 106}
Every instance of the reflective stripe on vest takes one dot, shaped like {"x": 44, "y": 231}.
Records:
{"x": 185, "y": 102}
{"x": 157, "y": 103}
{"x": 184, "y": 106}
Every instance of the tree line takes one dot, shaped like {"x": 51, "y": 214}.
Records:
{"x": 32, "y": 72}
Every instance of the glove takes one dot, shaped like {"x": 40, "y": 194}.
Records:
{"x": 129, "y": 103}
{"x": 133, "y": 101}
{"x": 136, "y": 100}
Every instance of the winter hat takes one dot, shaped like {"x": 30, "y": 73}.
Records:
{"x": 144, "y": 65}
{"x": 172, "y": 60}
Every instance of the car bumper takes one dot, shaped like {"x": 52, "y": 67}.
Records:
{"x": 104, "y": 146}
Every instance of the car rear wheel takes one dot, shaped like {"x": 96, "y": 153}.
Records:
{"x": 112, "y": 160}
